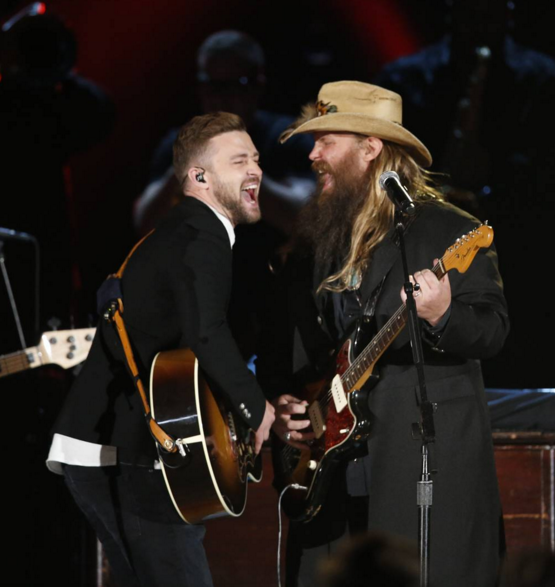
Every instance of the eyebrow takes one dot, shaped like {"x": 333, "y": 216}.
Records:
{"x": 256, "y": 154}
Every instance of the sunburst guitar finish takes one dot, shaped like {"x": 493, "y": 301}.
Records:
{"x": 208, "y": 477}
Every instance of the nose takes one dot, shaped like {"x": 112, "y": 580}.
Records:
{"x": 254, "y": 169}
{"x": 315, "y": 153}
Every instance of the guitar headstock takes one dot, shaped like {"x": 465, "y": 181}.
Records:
{"x": 66, "y": 348}
{"x": 461, "y": 253}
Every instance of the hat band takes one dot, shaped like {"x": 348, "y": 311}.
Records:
{"x": 381, "y": 108}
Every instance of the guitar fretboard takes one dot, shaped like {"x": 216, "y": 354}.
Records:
{"x": 380, "y": 343}
{"x": 19, "y": 361}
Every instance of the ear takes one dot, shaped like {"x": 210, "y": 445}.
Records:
{"x": 372, "y": 147}
{"x": 197, "y": 177}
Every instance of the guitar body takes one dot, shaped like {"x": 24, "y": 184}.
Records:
{"x": 340, "y": 435}
{"x": 210, "y": 479}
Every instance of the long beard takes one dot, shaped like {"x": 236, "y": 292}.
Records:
{"x": 326, "y": 223}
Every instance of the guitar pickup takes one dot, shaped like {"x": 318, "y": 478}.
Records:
{"x": 338, "y": 393}
{"x": 316, "y": 419}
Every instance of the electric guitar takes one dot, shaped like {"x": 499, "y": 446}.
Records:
{"x": 208, "y": 476}
{"x": 338, "y": 407}
{"x": 65, "y": 348}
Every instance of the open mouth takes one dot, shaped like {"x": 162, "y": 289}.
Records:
{"x": 250, "y": 192}
{"x": 325, "y": 180}
{"x": 323, "y": 173}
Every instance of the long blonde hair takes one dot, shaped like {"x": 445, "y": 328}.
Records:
{"x": 376, "y": 216}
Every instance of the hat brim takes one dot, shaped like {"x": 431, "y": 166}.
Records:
{"x": 366, "y": 125}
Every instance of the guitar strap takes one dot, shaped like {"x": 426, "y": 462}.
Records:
{"x": 354, "y": 303}
{"x": 110, "y": 304}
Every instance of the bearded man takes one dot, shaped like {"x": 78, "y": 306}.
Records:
{"x": 345, "y": 268}
{"x": 176, "y": 288}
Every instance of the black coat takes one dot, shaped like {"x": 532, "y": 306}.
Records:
{"x": 466, "y": 508}
{"x": 176, "y": 289}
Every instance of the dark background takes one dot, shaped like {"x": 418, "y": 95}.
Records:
{"x": 143, "y": 55}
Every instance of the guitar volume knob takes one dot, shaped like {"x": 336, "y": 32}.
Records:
{"x": 312, "y": 465}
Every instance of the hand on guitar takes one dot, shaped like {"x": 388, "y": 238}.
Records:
{"x": 288, "y": 428}
{"x": 433, "y": 297}
{"x": 263, "y": 432}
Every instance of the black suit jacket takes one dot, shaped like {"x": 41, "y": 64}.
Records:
{"x": 176, "y": 288}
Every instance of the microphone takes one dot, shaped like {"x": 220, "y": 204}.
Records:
{"x": 390, "y": 182}
{"x": 7, "y": 234}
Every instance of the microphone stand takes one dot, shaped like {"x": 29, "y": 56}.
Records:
{"x": 425, "y": 429}
{"x": 8, "y": 234}
{"x": 11, "y": 297}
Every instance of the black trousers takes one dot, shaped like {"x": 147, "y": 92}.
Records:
{"x": 145, "y": 540}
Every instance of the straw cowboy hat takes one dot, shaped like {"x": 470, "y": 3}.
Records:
{"x": 360, "y": 108}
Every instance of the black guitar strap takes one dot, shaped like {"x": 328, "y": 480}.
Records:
{"x": 110, "y": 306}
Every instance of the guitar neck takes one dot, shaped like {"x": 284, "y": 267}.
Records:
{"x": 65, "y": 348}
{"x": 19, "y": 361}
{"x": 361, "y": 368}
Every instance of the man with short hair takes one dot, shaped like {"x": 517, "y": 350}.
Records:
{"x": 176, "y": 288}
{"x": 346, "y": 269}
{"x": 231, "y": 77}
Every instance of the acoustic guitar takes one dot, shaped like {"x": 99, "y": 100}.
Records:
{"x": 208, "y": 476}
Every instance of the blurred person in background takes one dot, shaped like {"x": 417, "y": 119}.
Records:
{"x": 491, "y": 99}
{"x": 48, "y": 113}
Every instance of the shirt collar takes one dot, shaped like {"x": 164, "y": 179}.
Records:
{"x": 227, "y": 225}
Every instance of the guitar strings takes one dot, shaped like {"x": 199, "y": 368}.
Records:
{"x": 14, "y": 362}
{"x": 357, "y": 366}
{"x": 357, "y": 369}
